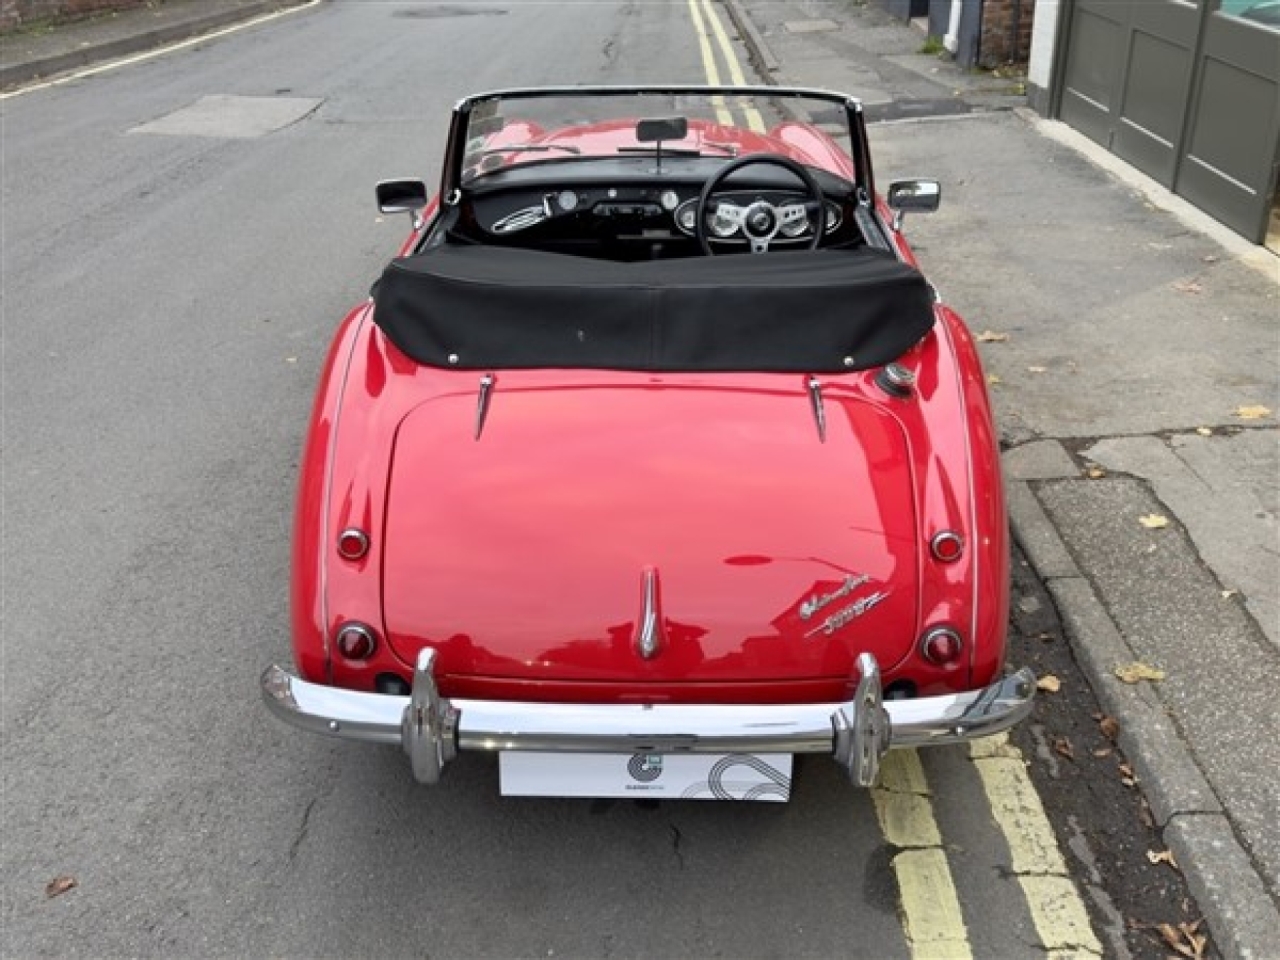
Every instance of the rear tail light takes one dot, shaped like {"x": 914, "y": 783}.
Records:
{"x": 353, "y": 543}
{"x": 941, "y": 646}
{"x": 947, "y": 546}
{"x": 356, "y": 641}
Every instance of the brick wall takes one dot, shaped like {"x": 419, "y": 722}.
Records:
{"x": 15, "y": 13}
{"x": 1006, "y": 32}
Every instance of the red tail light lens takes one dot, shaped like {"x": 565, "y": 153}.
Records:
{"x": 356, "y": 641}
{"x": 941, "y": 646}
{"x": 353, "y": 543}
{"x": 947, "y": 546}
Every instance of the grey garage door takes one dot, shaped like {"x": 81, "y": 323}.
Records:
{"x": 1188, "y": 92}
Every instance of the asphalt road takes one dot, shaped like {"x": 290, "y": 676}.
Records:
{"x": 171, "y": 277}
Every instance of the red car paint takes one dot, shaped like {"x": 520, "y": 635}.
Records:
{"x": 519, "y": 555}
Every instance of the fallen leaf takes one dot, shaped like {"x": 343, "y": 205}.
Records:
{"x": 1228, "y": 594}
{"x": 1137, "y": 672}
{"x": 1045, "y": 637}
{"x": 1162, "y": 856}
{"x": 1037, "y": 369}
{"x": 1185, "y": 939}
{"x": 1110, "y": 727}
{"x": 1188, "y": 286}
{"x": 1049, "y": 683}
{"x": 1102, "y": 752}
{"x": 59, "y": 885}
{"x": 1127, "y": 776}
{"x": 990, "y": 336}
{"x": 1204, "y": 431}
{"x": 993, "y": 380}
{"x": 1258, "y": 412}
{"x": 1095, "y": 473}
{"x": 1062, "y": 746}
{"x": 1154, "y": 521}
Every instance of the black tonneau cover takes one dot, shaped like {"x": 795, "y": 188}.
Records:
{"x": 478, "y": 307}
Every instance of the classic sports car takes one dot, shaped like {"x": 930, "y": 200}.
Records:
{"x": 652, "y": 461}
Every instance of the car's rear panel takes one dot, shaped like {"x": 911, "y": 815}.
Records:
{"x": 765, "y": 552}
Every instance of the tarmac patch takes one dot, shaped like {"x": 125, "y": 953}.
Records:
{"x": 229, "y": 117}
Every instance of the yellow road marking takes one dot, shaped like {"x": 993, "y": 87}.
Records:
{"x": 159, "y": 52}
{"x": 1056, "y": 909}
{"x": 754, "y": 120}
{"x": 709, "y": 62}
{"x": 931, "y": 916}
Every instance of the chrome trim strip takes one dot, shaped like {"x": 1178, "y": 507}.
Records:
{"x": 649, "y": 630}
{"x": 432, "y": 729}
{"x": 482, "y": 402}
{"x": 819, "y": 410}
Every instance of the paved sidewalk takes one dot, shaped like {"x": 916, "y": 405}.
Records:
{"x": 1133, "y": 336}
{"x": 1138, "y": 335}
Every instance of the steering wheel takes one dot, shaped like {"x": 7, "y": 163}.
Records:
{"x": 760, "y": 222}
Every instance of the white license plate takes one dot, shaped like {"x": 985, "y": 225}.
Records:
{"x": 684, "y": 776}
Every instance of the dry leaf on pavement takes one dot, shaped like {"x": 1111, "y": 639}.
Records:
{"x": 1228, "y": 594}
{"x": 1095, "y": 473}
{"x": 993, "y": 380}
{"x": 1062, "y": 746}
{"x": 1137, "y": 672}
{"x": 1049, "y": 683}
{"x": 1257, "y": 412}
{"x": 1204, "y": 431}
{"x": 1162, "y": 856}
{"x": 59, "y": 885}
{"x": 990, "y": 336}
{"x": 1110, "y": 727}
{"x": 1127, "y": 776}
{"x": 1185, "y": 938}
{"x": 1154, "y": 521}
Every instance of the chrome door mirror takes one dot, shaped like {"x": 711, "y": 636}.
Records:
{"x": 401, "y": 196}
{"x": 904, "y": 195}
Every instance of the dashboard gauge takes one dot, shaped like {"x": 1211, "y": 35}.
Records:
{"x": 721, "y": 225}
{"x": 686, "y": 216}
{"x": 567, "y": 200}
{"x": 795, "y": 228}
{"x": 669, "y": 199}
{"x": 834, "y": 217}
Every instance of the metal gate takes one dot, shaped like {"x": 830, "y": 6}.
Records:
{"x": 1188, "y": 91}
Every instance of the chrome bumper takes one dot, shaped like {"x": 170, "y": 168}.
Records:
{"x": 857, "y": 733}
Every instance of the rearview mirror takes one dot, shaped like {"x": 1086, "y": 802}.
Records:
{"x": 663, "y": 128}
{"x": 401, "y": 196}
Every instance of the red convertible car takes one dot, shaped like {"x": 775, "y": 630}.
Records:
{"x": 652, "y": 461}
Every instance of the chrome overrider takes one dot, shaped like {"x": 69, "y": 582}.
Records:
{"x": 432, "y": 729}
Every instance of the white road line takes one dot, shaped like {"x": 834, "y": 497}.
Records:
{"x": 159, "y": 51}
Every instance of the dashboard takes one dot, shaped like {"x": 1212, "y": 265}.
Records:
{"x": 624, "y": 204}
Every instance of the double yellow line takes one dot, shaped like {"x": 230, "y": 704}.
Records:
{"x": 709, "y": 27}
{"x": 932, "y": 916}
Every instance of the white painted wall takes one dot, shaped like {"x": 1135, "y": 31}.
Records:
{"x": 1043, "y": 33}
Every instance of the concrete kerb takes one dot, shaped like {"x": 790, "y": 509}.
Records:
{"x": 1243, "y": 921}
{"x": 12, "y": 75}
{"x": 758, "y": 51}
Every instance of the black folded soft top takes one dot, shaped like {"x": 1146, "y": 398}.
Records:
{"x": 479, "y": 307}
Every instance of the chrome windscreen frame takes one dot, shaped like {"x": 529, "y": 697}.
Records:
{"x": 856, "y": 734}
